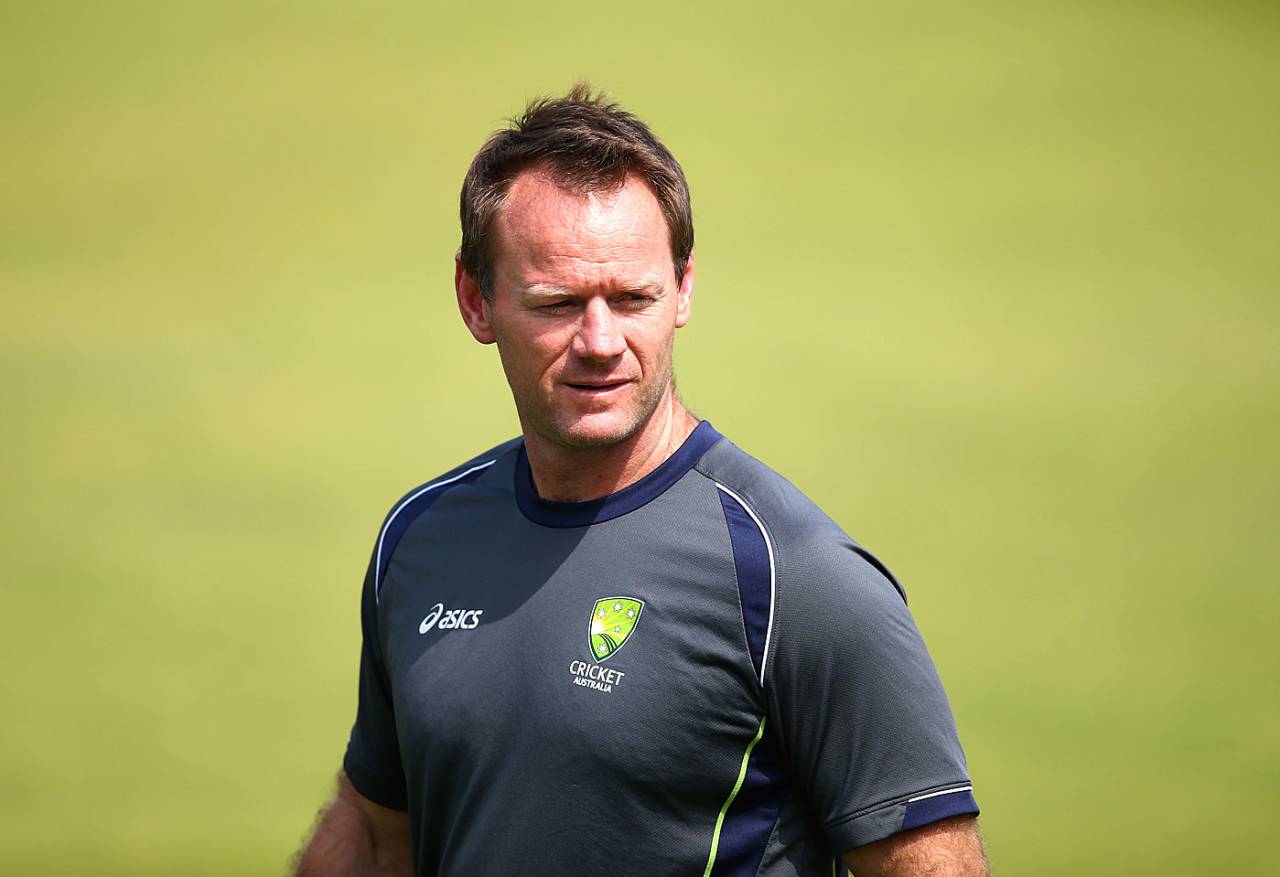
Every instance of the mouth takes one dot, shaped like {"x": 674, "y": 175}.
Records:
{"x": 595, "y": 388}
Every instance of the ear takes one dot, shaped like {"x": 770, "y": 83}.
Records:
{"x": 684, "y": 296}
{"x": 472, "y": 304}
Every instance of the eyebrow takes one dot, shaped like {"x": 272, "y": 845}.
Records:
{"x": 543, "y": 290}
{"x": 645, "y": 283}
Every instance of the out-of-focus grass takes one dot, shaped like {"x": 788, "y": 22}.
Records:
{"x": 996, "y": 284}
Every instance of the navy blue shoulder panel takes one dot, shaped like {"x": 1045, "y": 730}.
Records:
{"x": 647, "y": 489}
{"x": 755, "y": 574}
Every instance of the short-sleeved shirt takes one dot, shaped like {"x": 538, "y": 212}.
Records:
{"x": 698, "y": 674}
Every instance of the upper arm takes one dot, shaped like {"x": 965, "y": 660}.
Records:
{"x": 372, "y": 762}
{"x": 950, "y": 848}
{"x": 866, "y": 726}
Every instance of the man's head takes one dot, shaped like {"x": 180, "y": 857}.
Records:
{"x": 585, "y": 144}
{"x": 586, "y": 278}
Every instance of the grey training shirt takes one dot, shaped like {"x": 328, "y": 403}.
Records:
{"x": 699, "y": 674}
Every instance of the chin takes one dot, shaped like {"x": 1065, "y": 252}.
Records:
{"x": 596, "y": 431}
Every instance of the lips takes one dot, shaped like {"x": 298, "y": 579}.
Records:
{"x": 595, "y": 388}
{"x": 594, "y": 385}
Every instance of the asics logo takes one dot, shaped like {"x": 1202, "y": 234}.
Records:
{"x": 450, "y": 619}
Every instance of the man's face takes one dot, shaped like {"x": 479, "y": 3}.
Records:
{"x": 584, "y": 309}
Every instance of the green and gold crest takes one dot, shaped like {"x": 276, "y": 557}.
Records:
{"x": 612, "y": 621}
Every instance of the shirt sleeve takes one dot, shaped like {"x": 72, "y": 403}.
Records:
{"x": 865, "y": 724}
{"x": 372, "y": 762}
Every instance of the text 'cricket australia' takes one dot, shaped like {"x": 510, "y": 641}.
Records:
{"x": 594, "y": 676}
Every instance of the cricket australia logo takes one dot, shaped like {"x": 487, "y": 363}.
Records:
{"x": 613, "y": 620}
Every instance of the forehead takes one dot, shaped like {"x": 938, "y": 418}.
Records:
{"x": 545, "y": 229}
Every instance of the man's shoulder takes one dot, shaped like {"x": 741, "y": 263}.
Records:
{"x": 798, "y": 530}
{"x": 463, "y": 473}
{"x": 418, "y": 501}
{"x": 781, "y": 506}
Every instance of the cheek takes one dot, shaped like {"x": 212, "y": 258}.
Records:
{"x": 534, "y": 357}
{"x": 652, "y": 343}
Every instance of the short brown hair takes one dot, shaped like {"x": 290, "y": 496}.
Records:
{"x": 587, "y": 144}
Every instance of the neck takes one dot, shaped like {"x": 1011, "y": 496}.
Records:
{"x": 579, "y": 474}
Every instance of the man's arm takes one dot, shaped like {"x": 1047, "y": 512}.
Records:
{"x": 949, "y": 848}
{"x": 357, "y": 837}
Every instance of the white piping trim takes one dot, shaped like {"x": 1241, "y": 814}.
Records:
{"x": 377, "y": 565}
{"x": 773, "y": 586}
{"x": 936, "y": 794}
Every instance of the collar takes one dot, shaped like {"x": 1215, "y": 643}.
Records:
{"x": 579, "y": 514}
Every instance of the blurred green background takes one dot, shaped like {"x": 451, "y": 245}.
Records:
{"x": 995, "y": 283}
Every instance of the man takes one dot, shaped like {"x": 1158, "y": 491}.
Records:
{"x": 618, "y": 644}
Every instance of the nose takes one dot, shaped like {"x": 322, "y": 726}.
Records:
{"x": 599, "y": 336}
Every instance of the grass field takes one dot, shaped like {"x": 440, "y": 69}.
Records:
{"x": 997, "y": 284}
